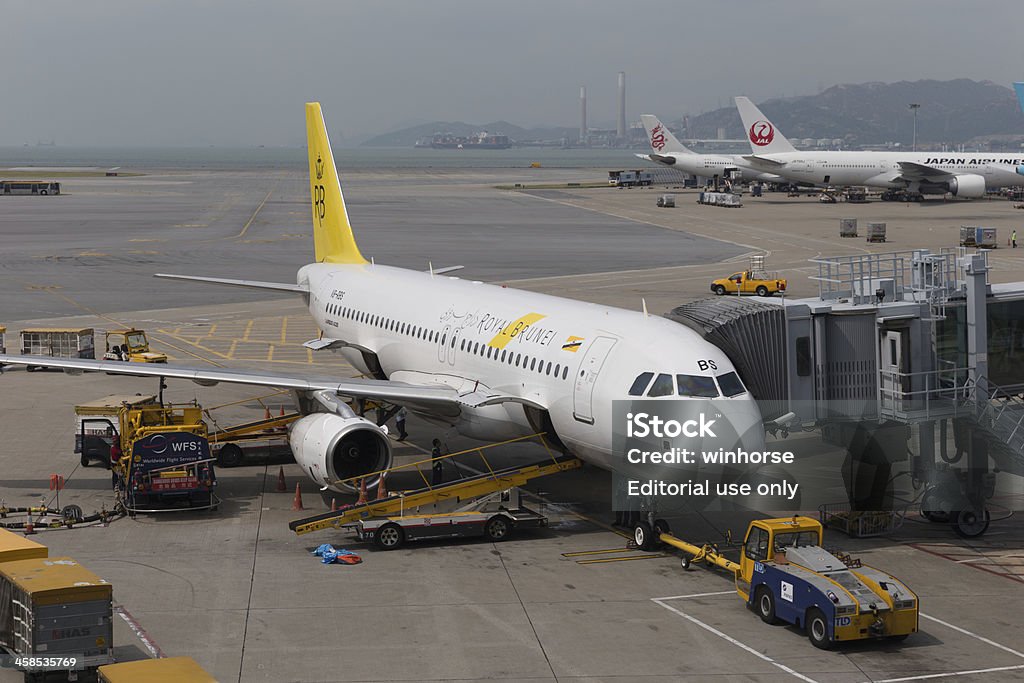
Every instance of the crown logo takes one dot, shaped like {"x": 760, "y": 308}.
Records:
{"x": 319, "y": 167}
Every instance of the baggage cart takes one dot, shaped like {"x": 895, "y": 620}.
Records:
{"x": 847, "y": 227}
{"x": 876, "y": 232}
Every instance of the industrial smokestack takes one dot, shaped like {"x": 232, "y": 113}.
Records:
{"x": 583, "y": 115}
{"x": 621, "y": 130}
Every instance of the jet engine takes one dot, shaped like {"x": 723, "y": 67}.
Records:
{"x": 968, "y": 185}
{"x": 332, "y": 447}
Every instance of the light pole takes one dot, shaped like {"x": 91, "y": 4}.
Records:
{"x": 914, "y": 107}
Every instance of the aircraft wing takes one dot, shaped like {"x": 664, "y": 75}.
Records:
{"x": 252, "y": 284}
{"x": 758, "y": 160}
{"x": 437, "y": 398}
{"x": 910, "y": 170}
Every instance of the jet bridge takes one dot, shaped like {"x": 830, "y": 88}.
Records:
{"x": 906, "y": 356}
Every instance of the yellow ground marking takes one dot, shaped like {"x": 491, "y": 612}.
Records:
{"x": 231, "y": 351}
{"x": 284, "y": 330}
{"x": 183, "y": 340}
{"x": 248, "y": 329}
{"x": 309, "y": 356}
{"x": 212, "y": 331}
{"x": 190, "y": 225}
{"x": 598, "y": 552}
{"x": 270, "y": 353}
{"x": 245, "y": 227}
{"x": 93, "y": 253}
{"x": 622, "y": 559}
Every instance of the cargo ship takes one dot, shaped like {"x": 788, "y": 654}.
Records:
{"x": 482, "y": 140}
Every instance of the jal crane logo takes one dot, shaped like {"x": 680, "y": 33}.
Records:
{"x": 762, "y": 133}
{"x": 657, "y": 138}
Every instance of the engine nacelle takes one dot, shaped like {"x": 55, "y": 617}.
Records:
{"x": 968, "y": 185}
{"x": 331, "y": 447}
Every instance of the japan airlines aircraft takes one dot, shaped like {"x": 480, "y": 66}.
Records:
{"x": 492, "y": 362}
{"x": 667, "y": 150}
{"x": 960, "y": 174}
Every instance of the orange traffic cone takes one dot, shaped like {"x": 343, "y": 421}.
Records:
{"x": 334, "y": 504}
{"x": 297, "y": 503}
{"x": 382, "y": 491}
{"x": 266, "y": 413}
{"x": 362, "y": 492}
{"x": 281, "y": 486}
{"x": 29, "y": 527}
{"x": 282, "y": 410}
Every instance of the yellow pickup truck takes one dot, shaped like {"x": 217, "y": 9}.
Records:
{"x": 749, "y": 282}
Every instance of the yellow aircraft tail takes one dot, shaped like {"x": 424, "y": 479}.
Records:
{"x": 332, "y": 232}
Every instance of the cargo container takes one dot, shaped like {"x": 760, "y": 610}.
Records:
{"x": 973, "y": 236}
{"x": 847, "y": 227}
{"x": 16, "y": 547}
{"x": 57, "y": 342}
{"x": 166, "y": 670}
{"x": 876, "y": 232}
{"x": 57, "y": 611}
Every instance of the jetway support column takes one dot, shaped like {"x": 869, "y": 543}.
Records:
{"x": 976, "y": 270}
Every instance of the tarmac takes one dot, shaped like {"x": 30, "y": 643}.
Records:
{"x": 240, "y": 593}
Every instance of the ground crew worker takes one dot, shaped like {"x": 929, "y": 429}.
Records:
{"x": 400, "y": 423}
{"x": 438, "y": 467}
{"x": 115, "y": 458}
{"x": 1013, "y": 239}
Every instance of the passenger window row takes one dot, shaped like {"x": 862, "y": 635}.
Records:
{"x": 694, "y": 386}
{"x": 518, "y": 360}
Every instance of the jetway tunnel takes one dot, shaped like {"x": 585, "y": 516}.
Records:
{"x": 891, "y": 362}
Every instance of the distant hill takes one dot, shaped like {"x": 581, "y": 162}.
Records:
{"x": 408, "y": 136}
{"x": 874, "y": 113}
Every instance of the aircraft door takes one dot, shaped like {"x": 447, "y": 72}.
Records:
{"x": 442, "y": 343}
{"x": 890, "y": 369}
{"x": 586, "y": 378}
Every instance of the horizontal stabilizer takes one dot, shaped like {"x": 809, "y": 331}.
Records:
{"x": 252, "y": 284}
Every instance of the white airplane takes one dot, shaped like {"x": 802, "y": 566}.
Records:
{"x": 492, "y": 362}
{"x": 668, "y": 151}
{"x": 917, "y": 173}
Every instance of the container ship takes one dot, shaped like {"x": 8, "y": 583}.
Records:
{"x": 482, "y": 140}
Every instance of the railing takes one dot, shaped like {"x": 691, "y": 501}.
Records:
{"x": 938, "y": 393}
{"x": 355, "y": 481}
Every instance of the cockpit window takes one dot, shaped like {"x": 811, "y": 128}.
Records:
{"x": 697, "y": 386}
{"x": 730, "y": 384}
{"x": 640, "y": 383}
{"x": 662, "y": 386}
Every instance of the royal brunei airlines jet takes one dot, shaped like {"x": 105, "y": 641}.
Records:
{"x": 917, "y": 173}
{"x": 492, "y": 362}
{"x": 668, "y": 151}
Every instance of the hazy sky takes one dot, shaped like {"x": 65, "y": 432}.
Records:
{"x": 192, "y": 72}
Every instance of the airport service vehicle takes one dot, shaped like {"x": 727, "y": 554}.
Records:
{"x": 130, "y": 345}
{"x": 40, "y": 187}
{"x": 491, "y": 362}
{"x": 756, "y": 282}
{"x": 785, "y": 575}
{"x": 56, "y": 616}
{"x": 668, "y": 151}
{"x": 57, "y": 343}
{"x": 162, "y": 670}
{"x": 97, "y": 425}
{"x": 165, "y": 462}
{"x": 667, "y": 201}
{"x": 495, "y": 516}
{"x": 630, "y": 178}
{"x": 966, "y": 175}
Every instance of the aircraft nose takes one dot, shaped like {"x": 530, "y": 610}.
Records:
{"x": 1020, "y": 170}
